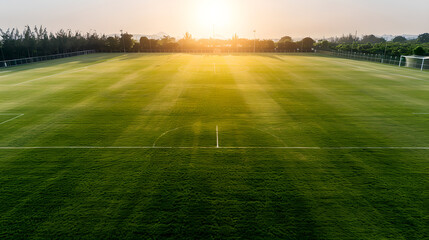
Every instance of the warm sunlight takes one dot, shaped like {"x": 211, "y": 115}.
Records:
{"x": 214, "y": 13}
{"x": 219, "y": 119}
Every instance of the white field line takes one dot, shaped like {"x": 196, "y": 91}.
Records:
{"x": 18, "y": 116}
{"x": 56, "y": 74}
{"x": 366, "y": 69}
{"x": 165, "y": 133}
{"x": 64, "y": 72}
{"x": 217, "y": 136}
{"x": 4, "y": 75}
{"x": 284, "y": 148}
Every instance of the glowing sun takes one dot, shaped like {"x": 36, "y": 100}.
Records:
{"x": 213, "y": 12}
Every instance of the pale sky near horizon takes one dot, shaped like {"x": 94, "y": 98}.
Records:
{"x": 270, "y": 18}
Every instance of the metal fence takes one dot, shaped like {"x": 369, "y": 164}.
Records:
{"x": 16, "y": 62}
{"x": 214, "y": 51}
{"x": 380, "y": 58}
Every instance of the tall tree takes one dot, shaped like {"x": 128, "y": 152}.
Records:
{"x": 234, "y": 42}
{"x": 347, "y": 39}
{"x": 286, "y": 39}
{"x": 286, "y": 44}
{"x": 168, "y": 43}
{"x": 29, "y": 41}
{"x": 307, "y": 44}
{"x": 372, "y": 39}
{"x": 423, "y": 38}
{"x": 144, "y": 44}
{"x": 399, "y": 39}
{"x": 420, "y": 51}
{"x": 113, "y": 44}
{"x": 127, "y": 41}
{"x": 187, "y": 42}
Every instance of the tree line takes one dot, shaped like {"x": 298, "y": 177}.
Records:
{"x": 371, "y": 44}
{"x": 37, "y": 41}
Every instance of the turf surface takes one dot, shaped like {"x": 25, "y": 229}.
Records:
{"x": 124, "y": 146}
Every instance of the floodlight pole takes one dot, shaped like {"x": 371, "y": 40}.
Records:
{"x": 400, "y": 61}
{"x": 423, "y": 64}
{"x": 123, "y": 40}
{"x": 353, "y": 44}
{"x": 254, "y": 41}
{"x": 213, "y": 42}
{"x": 384, "y": 56}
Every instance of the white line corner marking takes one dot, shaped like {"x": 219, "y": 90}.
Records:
{"x": 11, "y": 119}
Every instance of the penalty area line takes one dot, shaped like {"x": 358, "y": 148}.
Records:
{"x": 9, "y": 120}
{"x": 75, "y": 70}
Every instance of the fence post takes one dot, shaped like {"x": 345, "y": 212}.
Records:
{"x": 16, "y": 62}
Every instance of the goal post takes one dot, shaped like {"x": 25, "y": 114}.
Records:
{"x": 414, "y": 61}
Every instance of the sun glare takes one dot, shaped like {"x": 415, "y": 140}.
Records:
{"x": 213, "y": 12}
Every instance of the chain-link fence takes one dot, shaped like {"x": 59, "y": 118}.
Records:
{"x": 380, "y": 58}
{"x": 16, "y": 62}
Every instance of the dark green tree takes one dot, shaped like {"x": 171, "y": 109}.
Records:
{"x": 372, "y": 39}
{"x": 347, "y": 39}
{"x": 399, "y": 39}
{"x": 286, "y": 39}
{"x": 113, "y": 44}
{"x": 323, "y": 45}
{"x": 144, "y": 44}
{"x": 307, "y": 44}
{"x": 127, "y": 42}
{"x": 420, "y": 51}
{"x": 287, "y": 44}
{"x": 423, "y": 38}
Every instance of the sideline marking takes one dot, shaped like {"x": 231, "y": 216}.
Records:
{"x": 1, "y": 72}
{"x": 148, "y": 147}
{"x": 366, "y": 69}
{"x": 217, "y": 136}
{"x": 79, "y": 69}
{"x": 49, "y": 76}
{"x": 9, "y": 114}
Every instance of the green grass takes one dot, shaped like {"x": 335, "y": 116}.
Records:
{"x": 255, "y": 186}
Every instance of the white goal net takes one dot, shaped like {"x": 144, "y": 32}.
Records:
{"x": 420, "y": 62}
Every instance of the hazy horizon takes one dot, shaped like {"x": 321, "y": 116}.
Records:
{"x": 271, "y": 19}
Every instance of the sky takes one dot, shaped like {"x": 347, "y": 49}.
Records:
{"x": 271, "y": 19}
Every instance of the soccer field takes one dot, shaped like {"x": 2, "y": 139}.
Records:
{"x": 212, "y": 147}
